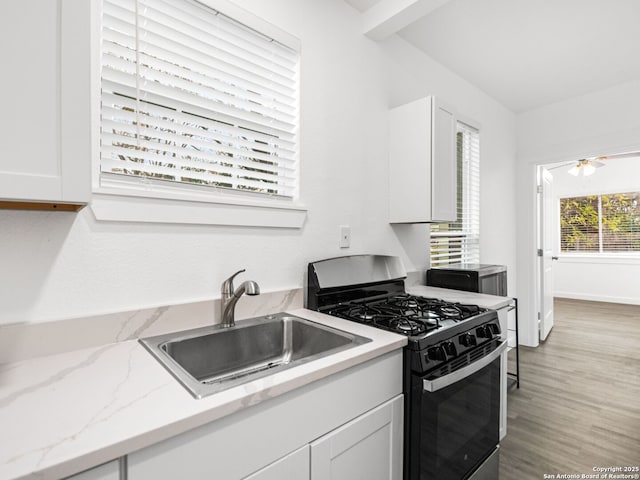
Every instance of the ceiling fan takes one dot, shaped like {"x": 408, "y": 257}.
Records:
{"x": 585, "y": 167}
{"x": 588, "y": 166}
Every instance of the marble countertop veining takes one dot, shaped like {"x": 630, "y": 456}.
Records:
{"x": 68, "y": 412}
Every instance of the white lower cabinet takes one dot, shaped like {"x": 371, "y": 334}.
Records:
{"x": 367, "y": 448}
{"x": 345, "y": 426}
{"x": 294, "y": 466}
{"x": 107, "y": 471}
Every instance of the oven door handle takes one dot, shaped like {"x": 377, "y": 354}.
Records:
{"x": 442, "y": 382}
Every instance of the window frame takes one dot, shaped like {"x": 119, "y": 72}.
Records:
{"x": 133, "y": 200}
{"x": 599, "y": 256}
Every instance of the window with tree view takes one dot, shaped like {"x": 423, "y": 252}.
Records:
{"x": 606, "y": 223}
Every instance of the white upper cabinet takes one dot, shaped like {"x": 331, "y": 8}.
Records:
{"x": 422, "y": 163}
{"x": 45, "y": 124}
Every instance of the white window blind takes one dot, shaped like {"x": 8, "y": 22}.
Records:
{"x": 459, "y": 242}
{"x": 606, "y": 223}
{"x": 190, "y": 96}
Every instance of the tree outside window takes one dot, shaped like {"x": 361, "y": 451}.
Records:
{"x": 606, "y": 223}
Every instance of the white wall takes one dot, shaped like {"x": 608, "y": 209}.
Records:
{"x": 59, "y": 265}
{"x": 414, "y": 74}
{"x": 609, "y": 279}
{"x": 599, "y": 123}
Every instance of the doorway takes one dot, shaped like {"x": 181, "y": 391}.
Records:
{"x": 587, "y": 272}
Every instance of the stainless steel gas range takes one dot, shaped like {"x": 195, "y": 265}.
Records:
{"x": 451, "y": 372}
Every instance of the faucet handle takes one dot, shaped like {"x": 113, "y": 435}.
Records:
{"x": 227, "y": 285}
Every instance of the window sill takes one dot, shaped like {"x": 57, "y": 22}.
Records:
{"x": 600, "y": 258}
{"x": 138, "y": 207}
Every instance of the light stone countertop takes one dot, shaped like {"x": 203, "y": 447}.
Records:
{"x": 64, "y": 413}
{"x": 482, "y": 300}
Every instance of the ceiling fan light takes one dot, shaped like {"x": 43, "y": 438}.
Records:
{"x": 588, "y": 169}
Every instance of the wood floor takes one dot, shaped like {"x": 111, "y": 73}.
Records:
{"x": 578, "y": 405}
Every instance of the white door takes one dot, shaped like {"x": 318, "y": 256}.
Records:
{"x": 545, "y": 253}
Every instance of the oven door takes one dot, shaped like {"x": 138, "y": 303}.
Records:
{"x": 453, "y": 422}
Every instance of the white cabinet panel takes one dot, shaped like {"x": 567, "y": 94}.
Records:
{"x": 29, "y": 87}
{"x": 367, "y": 448}
{"x": 108, "y": 471}
{"x": 507, "y": 318}
{"x": 503, "y": 395}
{"x": 443, "y": 163}
{"x": 45, "y": 152}
{"x": 503, "y": 315}
{"x": 422, "y": 162}
{"x": 294, "y": 466}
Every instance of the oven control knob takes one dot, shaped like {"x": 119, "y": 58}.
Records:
{"x": 495, "y": 328}
{"x": 467, "y": 340}
{"x": 484, "y": 332}
{"x": 437, "y": 353}
{"x": 450, "y": 349}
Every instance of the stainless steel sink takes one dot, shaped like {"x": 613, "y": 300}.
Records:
{"x": 210, "y": 359}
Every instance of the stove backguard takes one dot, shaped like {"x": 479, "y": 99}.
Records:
{"x": 355, "y": 277}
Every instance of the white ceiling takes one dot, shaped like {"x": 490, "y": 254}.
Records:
{"x": 526, "y": 53}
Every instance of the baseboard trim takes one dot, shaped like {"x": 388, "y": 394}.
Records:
{"x": 597, "y": 298}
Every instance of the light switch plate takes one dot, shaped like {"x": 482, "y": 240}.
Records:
{"x": 345, "y": 236}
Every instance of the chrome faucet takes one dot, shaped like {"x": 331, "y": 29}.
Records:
{"x": 231, "y": 297}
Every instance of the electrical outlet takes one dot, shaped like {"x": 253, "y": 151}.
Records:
{"x": 345, "y": 236}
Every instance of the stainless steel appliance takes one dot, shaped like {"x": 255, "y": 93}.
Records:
{"x": 451, "y": 372}
{"x": 471, "y": 277}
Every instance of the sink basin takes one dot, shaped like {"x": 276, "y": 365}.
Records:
{"x": 210, "y": 359}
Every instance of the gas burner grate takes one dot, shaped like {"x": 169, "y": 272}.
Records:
{"x": 405, "y": 314}
{"x": 360, "y": 312}
{"x": 402, "y": 314}
{"x": 408, "y": 327}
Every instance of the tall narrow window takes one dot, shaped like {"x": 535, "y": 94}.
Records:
{"x": 606, "y": 223}
{"x": 192, "y": 97}
{"x": 459, "y": 242}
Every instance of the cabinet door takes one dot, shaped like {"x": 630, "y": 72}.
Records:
{"x": 367, "y": 448}
{"x": 410, "y": 162}
{"x": 45, "y": 147}
{"x": 422, "y": 162}
{"x": 294, "y": 466}
{"x": 108, "y": 471}
{"x": 444, "y": 183}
